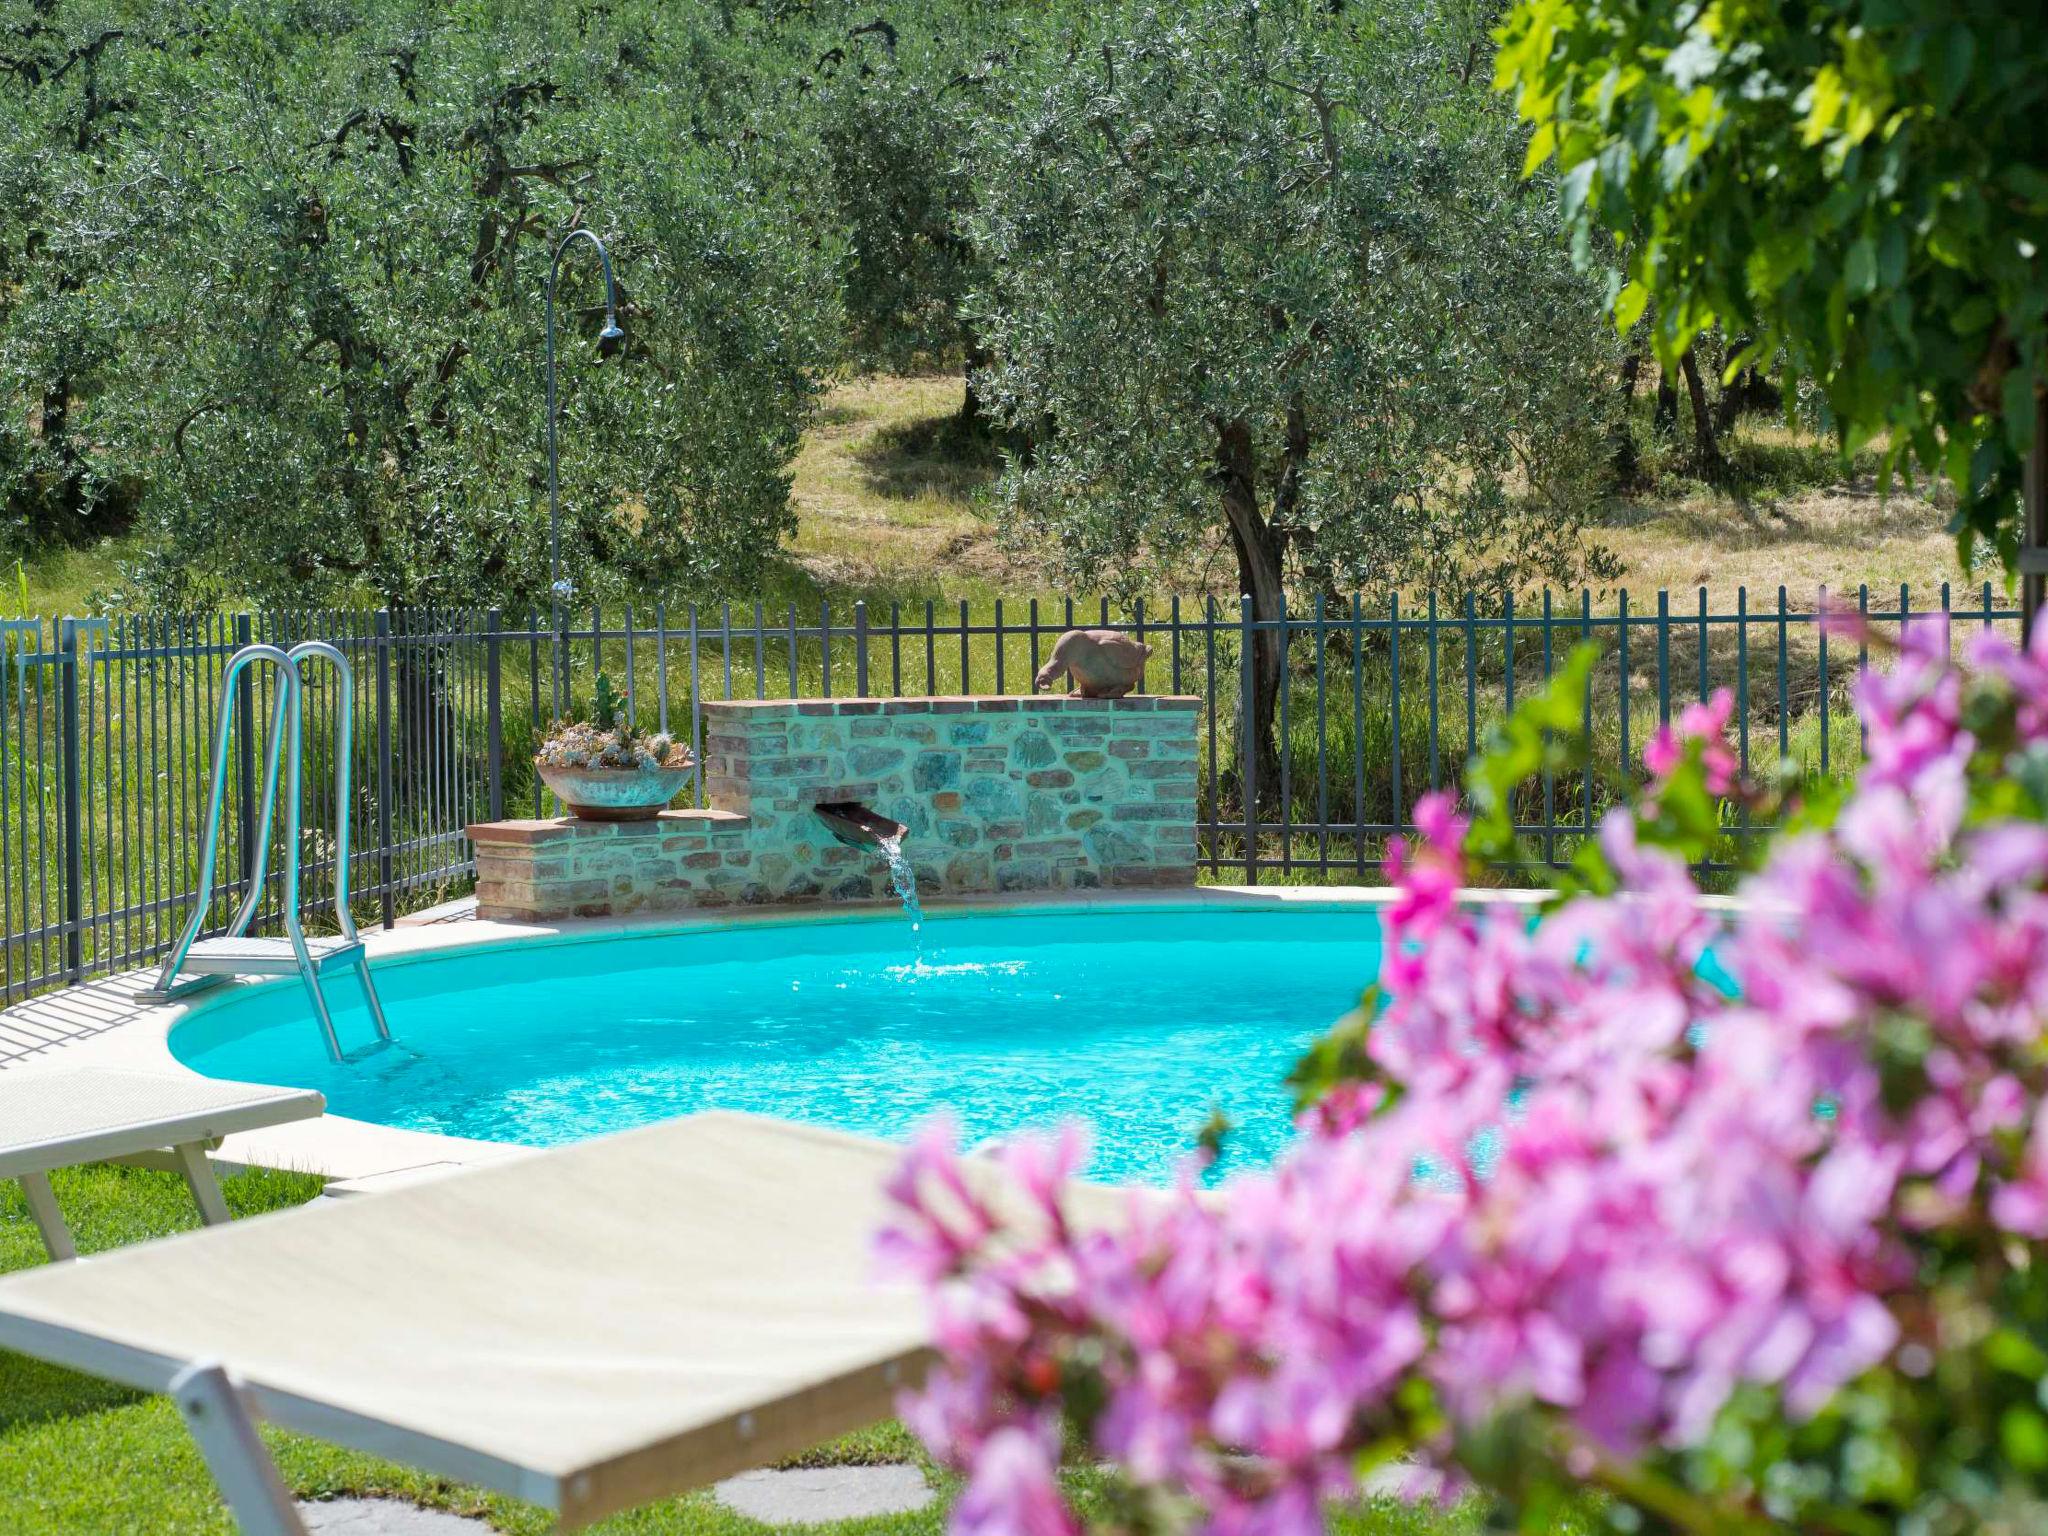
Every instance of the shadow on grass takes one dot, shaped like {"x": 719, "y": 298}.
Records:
{"x": 929, "y": 456}
{"x": 32, "y": 1392}
{"x": 1762, "y": 456}
{"x": 1782, "y": 465}
{"x": 1768, "y": 526}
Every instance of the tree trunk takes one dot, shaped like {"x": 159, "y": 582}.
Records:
{"x": 1709, "y": 446}
{"x": 65, "y": 506}
{"x": 424, "y": 725}
{"x": 973, "y": 416}
{"x": 1666, "y": 419}
{"x": 1625, "y": 465}
{"x": 1260, "y": 576}
{"x": 2034, "y": 521}
{"x": 1750, "y": 392}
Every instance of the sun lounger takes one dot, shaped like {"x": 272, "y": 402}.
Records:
{"x": 66, "y": 1116}
{"x": 589, "y": 1328}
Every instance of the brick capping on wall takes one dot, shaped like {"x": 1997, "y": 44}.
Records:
{"x": 1032, "y": 793}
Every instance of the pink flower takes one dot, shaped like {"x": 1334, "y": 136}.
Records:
{"x": 1913, "y": 715}
{"x": 1578, "y": 1179}
{"x": 1015, "y": 1490}
{"x": 946, "y": 1221}
{"x": 2020, "y": 1205}
{"x": 1428, "y": 875}
{"x": 1705, "y": 724}
{"x": 1042, "y": 1165}
{"x": 2026, "y": 672}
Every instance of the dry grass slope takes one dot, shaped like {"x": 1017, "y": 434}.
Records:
{"x": 887, "y": 496}
{"x": 890, "y": 502}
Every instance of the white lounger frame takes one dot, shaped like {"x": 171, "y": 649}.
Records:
{"x": 247, "y": 1478}
{"x": 188, "y": 1137}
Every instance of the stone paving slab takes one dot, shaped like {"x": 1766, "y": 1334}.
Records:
{"x": 385, "y": 1517}
{"x": 816, "y": 1495}
{"x": 801, "y": 1496}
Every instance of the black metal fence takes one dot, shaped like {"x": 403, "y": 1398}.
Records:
{"x": 106, "y": 740}
{"x": 107, "y": 724}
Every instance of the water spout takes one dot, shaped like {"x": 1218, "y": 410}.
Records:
{"x": 857, "y": 826}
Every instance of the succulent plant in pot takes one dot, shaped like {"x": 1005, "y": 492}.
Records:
{"x": 605, "y": 769}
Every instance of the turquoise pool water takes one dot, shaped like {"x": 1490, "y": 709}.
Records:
{"x": 1138, "y": 1020}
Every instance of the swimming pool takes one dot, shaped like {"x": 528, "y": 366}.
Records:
{"x": 1139, "y": 1020}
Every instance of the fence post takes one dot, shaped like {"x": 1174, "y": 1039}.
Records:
{"x": 245, "y": 758}
{"x": 494, "y": 709}
{"x": 386, "y": 899}
{"x": 1393, "y": 703}
{"x": 1247, "y": 736}
{"x": 1663, "y": 656}
{"x": 74, "y": 848}
{"x": 860, "y": 649}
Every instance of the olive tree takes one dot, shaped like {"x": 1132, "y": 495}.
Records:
{"x": 1263, "y": 279}
{"x": 341, "y": 389}
{"x": 78, "y": 105}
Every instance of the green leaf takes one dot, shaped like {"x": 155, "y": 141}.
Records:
{"x": 1891, "y": 254}
{"x": 1822, "y": 104}
{"x": 1546, "y": 733}
{"x": 1339, "y": 1056}
{"x": 2023, "y": 1435}
{"x": 1629, "y": 305}
{"x": 1743, "y": 358}
{"x": 1574, "y": 187}
{"x": 1974, "y": 314}
{"x": 1859, "y": 269}
{"x": 1832, "y": 156}
{"x": 1952, "y": 71}
{"x": 2010, "y": 1350}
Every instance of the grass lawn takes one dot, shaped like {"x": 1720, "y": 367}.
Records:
{"x": 1800, "y": 525}
{"x": 57, "y": 580}
{"x": 79, "y": 1457}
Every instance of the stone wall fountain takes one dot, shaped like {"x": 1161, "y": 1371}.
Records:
{"x": 1044, "y": 793}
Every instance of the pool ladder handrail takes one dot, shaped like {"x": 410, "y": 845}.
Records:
{"x": 233, "y": 952}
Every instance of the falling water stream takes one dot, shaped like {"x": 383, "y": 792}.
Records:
{"x": 904, "y": 878}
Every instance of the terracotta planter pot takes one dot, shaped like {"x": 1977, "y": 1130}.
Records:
{"x": 615, "y": 794}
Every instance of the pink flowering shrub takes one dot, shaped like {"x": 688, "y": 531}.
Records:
{"x": 1738, "y": 1225}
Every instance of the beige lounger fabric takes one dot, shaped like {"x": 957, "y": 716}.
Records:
{"x": 53, "y": 1119}
{"x": 591, "y": 1327}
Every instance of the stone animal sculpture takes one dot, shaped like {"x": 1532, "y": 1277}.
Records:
{"x": 1100, "y": 663}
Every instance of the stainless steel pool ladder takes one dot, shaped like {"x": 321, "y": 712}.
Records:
{"x": 235, "y": 952}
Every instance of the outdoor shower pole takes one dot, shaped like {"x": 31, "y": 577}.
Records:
{"x": 560, "y": 588}
{"x": 2034, "y": 520}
